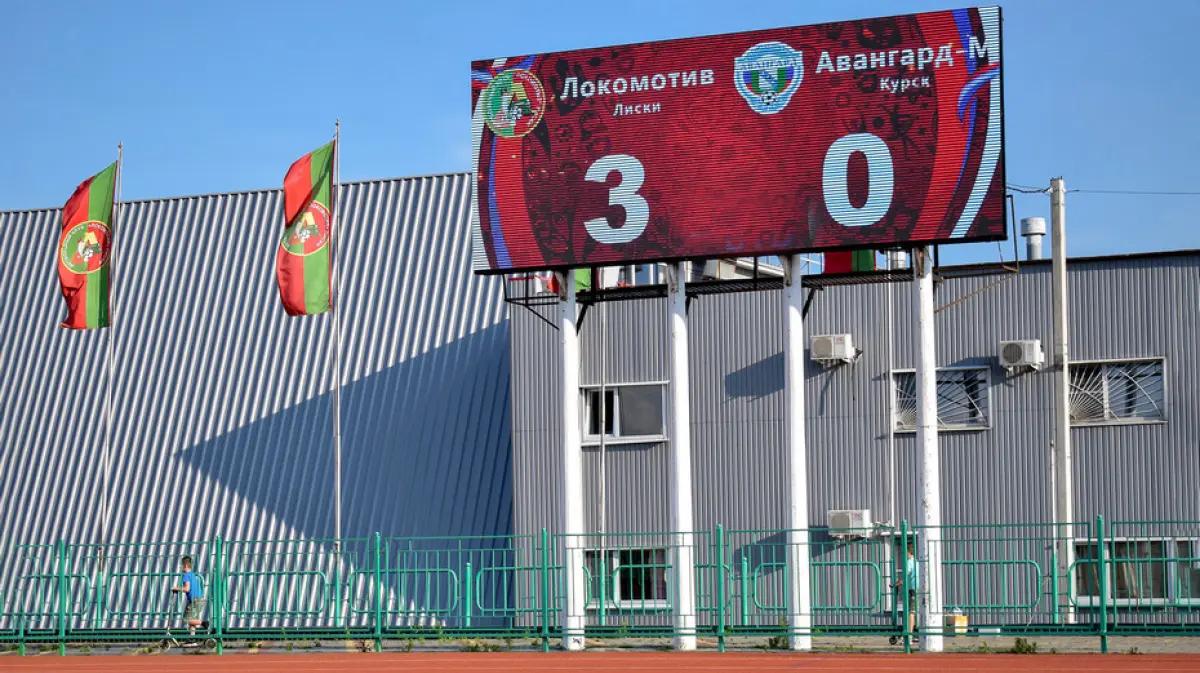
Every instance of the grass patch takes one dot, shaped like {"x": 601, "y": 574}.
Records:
{"x": 480, "y": 646}
{"x": 1023, "y": 646}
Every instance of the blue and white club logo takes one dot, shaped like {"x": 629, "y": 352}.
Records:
{"x": 767, "y": 75}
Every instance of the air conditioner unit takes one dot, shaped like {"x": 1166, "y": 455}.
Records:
{"x": 1024, "y": 353}
{"x": 846, "y": 524}
{"x": 825, "y": 348}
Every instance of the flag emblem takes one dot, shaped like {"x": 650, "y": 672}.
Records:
{"x": 767, "y": 76}
{"x": 513, "y": 103}
{"x": 309, "y": 233}
{"x": 85, "y": 247}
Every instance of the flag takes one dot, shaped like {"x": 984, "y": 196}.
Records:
{"x": 84, "y": 249}
{"x": 303, "y": 260}
{"x": 583, "y": 281}
{"x": 849, "y": 261}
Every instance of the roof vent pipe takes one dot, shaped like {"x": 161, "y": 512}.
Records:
{"x": 1034, "y": 230}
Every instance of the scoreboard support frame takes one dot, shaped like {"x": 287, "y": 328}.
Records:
{"x": 929, "y": 542}
{"x": 682, "y": 521}
{"x": 799, "y": 553}
{"x": 574, "y": 615}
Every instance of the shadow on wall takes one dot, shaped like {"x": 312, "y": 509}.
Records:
{"x": 757, "y": 380}
{"x": 765, "y": 553}
{"x": 767, "y": 376}
{"x": 426, "y": 450}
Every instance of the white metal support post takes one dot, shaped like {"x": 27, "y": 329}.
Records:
{"x": 681, "y": 461}
{"x": 115, "y": 225}
{"x": 927, "y": 440}
{"x": 335, "y": 341}
{"x": 799, "y": 554}
{"x": 1064, "y": 513}
{"x": 572, "y": 446}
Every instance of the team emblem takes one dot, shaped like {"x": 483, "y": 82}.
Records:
{"x": 309, "y": 232}
{"x": 86, "y": 246}
{"x": 513, "y": 103}
{"x": 767, "y": 76}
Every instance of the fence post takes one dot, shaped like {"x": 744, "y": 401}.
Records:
{"x": 378, "y": 593}
{"x": 545, "y": 591}
{"x": 602, "y": 576}
{"x": 1054, "y": 586}
{"x": 745, "y": 583}
{"x": 218, "y": 587}
{"x": 467, "y": 608}
{"x": 337, "y": 584}
{"x": 62, "y": 597}
{"x": 902, "y": 562}
{"x": 1102, "y": 569}
{"x": 720, "y": 588}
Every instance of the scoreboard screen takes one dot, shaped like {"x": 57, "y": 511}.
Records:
{"x": 860, "y": 134}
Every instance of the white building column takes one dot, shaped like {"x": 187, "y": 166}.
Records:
{"x": 681, "y": 462}
{"x": 1063, "y": 474}
{"x": 927, "y": 439}
{"x": 799, "y": 553}
{"x": 572, "y": 447}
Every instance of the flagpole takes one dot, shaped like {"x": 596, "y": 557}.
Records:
{"x": 106, "y": 456}
{"x": 336, "y": 341}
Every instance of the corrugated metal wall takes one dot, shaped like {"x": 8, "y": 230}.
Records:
{"x": 222, "y": 414}
{"x": 1120, "y": 308}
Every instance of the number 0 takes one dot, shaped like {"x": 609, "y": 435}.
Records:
{"x": 880, "y": 174}
{"x": 637, "y": 211}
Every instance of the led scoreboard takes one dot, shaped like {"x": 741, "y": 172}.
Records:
{"x": 860, "y": 134}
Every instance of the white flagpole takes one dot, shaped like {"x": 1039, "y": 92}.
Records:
{"x": 106, "y": 456}
{"x": 336, "y": 340}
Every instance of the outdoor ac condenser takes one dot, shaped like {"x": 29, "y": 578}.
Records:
{"x": 1024, "y": 353}
{"x": 825, "y": 348}
{"x": 850, "y": 523}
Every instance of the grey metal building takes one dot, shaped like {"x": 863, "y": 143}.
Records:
{"x": 221, "y": 410}
{"x": 221, "y": 417}
{"x": 1134, "y": 395}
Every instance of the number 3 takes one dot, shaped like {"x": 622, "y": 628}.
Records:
{"x": 637, "y": 211}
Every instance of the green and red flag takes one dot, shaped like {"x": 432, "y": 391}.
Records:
{"x": 849, "y": 261}
{"x": 303, "y": 260}
{"x": 84, "y": 249}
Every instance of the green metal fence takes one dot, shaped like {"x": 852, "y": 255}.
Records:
{"x": 1084, "y": 579}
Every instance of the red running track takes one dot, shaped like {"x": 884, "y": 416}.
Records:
{"x": 585, "y": 662}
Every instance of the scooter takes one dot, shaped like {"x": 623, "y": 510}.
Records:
{"x": 200, "y": 642}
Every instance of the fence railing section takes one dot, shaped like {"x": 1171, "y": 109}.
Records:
{"x": 1082, "y": 579}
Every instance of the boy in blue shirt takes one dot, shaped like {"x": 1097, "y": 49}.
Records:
{"x": 191, "y": 587}
{"x": 911, "y": 582}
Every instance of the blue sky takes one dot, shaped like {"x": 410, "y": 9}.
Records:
{"x": 222, "y": 96}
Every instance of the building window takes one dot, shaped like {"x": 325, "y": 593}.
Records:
{"x": 1117, "y": 392}
{"x": 1187, "y": 569}
{"x": 1141, "y": 572}
{"x": 631, "y": 412}
{"x": 627, "y": 578}
{"x": 962, "y": 399}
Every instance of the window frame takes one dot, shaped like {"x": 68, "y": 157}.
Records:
{"x": 894, "y": 397}
{"x": 1171, "y": 580}
{"x": 619, "y": 601}
{"x": 1166, "y": 392}
{"x": 585, "y": 408}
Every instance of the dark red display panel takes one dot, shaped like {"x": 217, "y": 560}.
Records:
{"x": 860, "y": 134}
